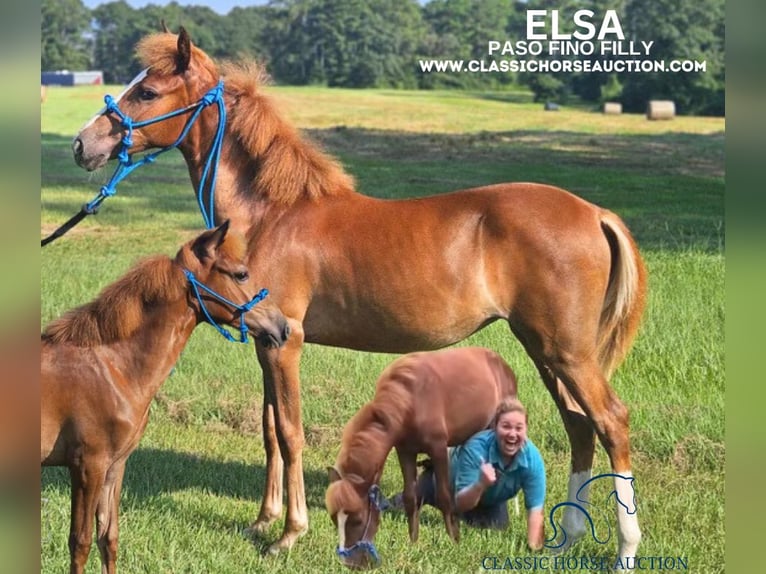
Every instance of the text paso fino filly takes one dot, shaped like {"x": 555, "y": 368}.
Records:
{"x": 394, "y": 276}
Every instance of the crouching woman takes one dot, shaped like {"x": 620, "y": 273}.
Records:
{"x": 491, "y": 468}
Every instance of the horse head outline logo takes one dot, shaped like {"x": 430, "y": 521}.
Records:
{"x": 583, "y": 506}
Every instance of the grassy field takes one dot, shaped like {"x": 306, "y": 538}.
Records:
{"x": 195, "y": 483}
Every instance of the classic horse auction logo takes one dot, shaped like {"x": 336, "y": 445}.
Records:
{"x": 582, "y": 504}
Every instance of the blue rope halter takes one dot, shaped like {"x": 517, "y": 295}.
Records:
{"x": 127, "y": 165}
{"x": 375, "y": 498}
{"x": 244, "y": 308}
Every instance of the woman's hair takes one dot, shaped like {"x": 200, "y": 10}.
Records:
{"x": 509, "y": 405}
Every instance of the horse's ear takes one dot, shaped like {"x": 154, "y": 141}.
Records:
{"x": 184, "y": 51}
{"x": 208, "y": 243}
{"x": 359, "y": 483}
{"x": 164, "y": 26}
{"x": 332, "y": 474}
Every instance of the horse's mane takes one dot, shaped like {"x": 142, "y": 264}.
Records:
{"x": 342, "y": 495}
{"x": 286, "y": 165}
{"x": 160, "y": 52}
{"x": 366, "y": 442}
{"x": 290, "y": 167}
{"x": 119, "y": 309}
{"x": 372, "y": 431}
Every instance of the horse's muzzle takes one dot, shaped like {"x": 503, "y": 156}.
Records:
{"x": 274, "y": 339}
{"x": 91, "y": 163}
{"x": 360, "y": 562}
{"x": 77, "y": 148}
{"x": 361, "y": 556}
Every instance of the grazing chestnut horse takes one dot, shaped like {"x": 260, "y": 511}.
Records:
{"x": 101, "y": 364}
{"x": 394, "y": 276}
{"x": 424, "y": 402}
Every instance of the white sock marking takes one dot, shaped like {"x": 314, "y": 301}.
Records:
{"x": 628, "y": 532}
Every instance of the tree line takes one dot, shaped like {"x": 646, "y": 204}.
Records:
{"x": 377, "y": 43}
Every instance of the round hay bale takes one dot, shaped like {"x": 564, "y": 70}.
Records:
{"x": 661, "y": 110}
{"x": 612, "y": 108}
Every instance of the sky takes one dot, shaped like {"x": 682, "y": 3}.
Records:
{"x": 221, "y": 6}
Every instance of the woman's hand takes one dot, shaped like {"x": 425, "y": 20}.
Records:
{"x": 535, "y": 529}
{"x": 487, "y": 475}
{"x": 469, "y": 497}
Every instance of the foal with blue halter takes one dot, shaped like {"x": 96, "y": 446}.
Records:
{"x": 102, "y": 363}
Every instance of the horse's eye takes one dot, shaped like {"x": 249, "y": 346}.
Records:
{"x": 241, "y": 276}
{"x": 147, "y": 95}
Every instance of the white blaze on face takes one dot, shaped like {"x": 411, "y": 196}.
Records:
{"x": 133, "y": 82}
{"x": 342, "y": 517}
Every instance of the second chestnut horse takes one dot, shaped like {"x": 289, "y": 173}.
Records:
{"x": 423, "y": 403}
{"x": 102, "y": 363}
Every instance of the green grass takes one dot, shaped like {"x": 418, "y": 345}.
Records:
{"x": 195, "y": 482}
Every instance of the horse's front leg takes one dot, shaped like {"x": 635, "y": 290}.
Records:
{"x": 87, "y": 481}
{"x": 107, "y": 517}
{"x": 408, "y": 464}
{"x": 271, "y": 506}
{"x": 281, "y": 371}
{"x": 440, "y": 457}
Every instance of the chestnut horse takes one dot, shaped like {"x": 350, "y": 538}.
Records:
{"x": 394, "y": 276}
{"x": 424, "y": 402}
{"x": 102, "y": 363}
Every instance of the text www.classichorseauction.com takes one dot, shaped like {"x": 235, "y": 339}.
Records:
{"x": 604, "y": 51}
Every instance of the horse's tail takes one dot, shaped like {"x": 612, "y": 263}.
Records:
{"x": 625, "y": 295}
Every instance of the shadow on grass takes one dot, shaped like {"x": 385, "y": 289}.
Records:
{"x": 506, "y": 97}
{"x": 152, "y": 472}
{"x": 699, "y": 155}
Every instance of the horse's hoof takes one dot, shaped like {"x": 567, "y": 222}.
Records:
{"x": 414, "y": 533}
{"x": 285, "y": 543}
{"x": 259, "y": 527}
{"x": 453, "y": 530}
{"x": 275, "y": 549}
{"x": 563, "y": 548}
